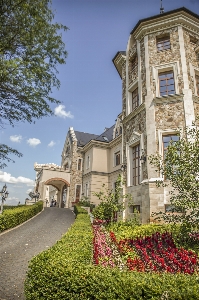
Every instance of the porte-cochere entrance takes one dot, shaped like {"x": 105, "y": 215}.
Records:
{"x": 52, "y": 182}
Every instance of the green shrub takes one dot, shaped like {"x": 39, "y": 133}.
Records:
{"x": 65, "y": 271}
{"x": 13, "y": 217}
{"x": 79, "y": 210}
{"x": 124, "y": 230}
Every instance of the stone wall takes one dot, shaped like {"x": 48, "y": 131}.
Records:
{"x": 76, "y": 175}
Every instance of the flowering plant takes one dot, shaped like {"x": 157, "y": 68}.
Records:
{"x": 158, "y": 253}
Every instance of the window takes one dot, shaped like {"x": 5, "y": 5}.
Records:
{"x": 167, "y": 139}
{"x": 117, "y": 158}
{"x": 134, "y": 209}
{"x": 79, "y": 165}
{"x": 86, "y": 189}
{"x": 134, "y": 63}
{"x": 77, "y": 193}
{"x": 120, "y": 129}
{"x": 135, "y": 99}
{"x": 163, "y": 43}
{"x": 88, "y": 162}
{"x": 116, "y": 133}
{"x": 136, "y": 164}
{"x": 166, "y": 83}
{"x": 197, "y": 84}
{"x": 171, "y": 209}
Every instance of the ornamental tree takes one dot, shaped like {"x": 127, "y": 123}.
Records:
{"x": 180, "y": 172}
{"x": 31, "y": 47}
{"x": 112, "y": 201}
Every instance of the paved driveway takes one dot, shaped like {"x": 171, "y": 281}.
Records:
{"x": 19, "y": 245}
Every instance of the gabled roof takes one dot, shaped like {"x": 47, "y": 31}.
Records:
{"x": 106, "y": 136}
{"x": 83, "y": 138}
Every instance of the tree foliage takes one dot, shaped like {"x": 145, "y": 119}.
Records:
{"x": 111, "y": 201}
{"x": 180, "y": 169}
{"x": 5, "y": 151}
{"x": 31, "y": 47}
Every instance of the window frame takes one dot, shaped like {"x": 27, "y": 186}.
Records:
{"x": 88, "y": 162}
{"x": 79, "y": 160}
{"x": 135, "y": 104}
{"x": 161, "y": 134}
{"x": 86, "y": 189}
{"x": 76, "y": 185}
{"x": 166, "y": 85}
{"x": 133, "y": 207}
{"x": 156, "y": 70}
{"x": 115, "y": 155}
{"x": 163, "y": 40}
{"x": 136, "y": 175}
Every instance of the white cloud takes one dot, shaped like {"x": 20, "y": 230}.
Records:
{"x": 12, "y": 198}
{"x": 51, "y": 144}
{"x": 6, "y": 177}
{"x": 60, "y": 112}
{"x": 16, "y": 138}
{"x": 33, "y": 142}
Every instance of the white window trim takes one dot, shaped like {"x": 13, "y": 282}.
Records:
{"x": 132, "y": 88}
{"x": 156, "y": 70}
{"x": 86, "y": 190}
{"x": 76, "y": 191}
{"x": 114, "y": 157}
{"x": 165, "y": 132}
{"x": 88, "y": 162}
{"x": 81, "y": 164}
{"x": 193, "y": 72}
{"x": 135, "y": 139}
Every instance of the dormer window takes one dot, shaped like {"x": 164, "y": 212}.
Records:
{"x": 163, "y": 43}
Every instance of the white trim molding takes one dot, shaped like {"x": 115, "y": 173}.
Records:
{"x": 136, "y": 138}
{"x": 156, "y": 70}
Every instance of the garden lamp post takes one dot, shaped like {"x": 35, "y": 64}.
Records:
{"x": 3, "y": 194}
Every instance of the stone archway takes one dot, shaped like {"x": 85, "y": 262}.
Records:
{"x": 60, "y": 184}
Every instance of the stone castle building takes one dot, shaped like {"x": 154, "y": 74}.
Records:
{"x": 159, "y": 71}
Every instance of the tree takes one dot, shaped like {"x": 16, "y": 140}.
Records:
{"x": 31, "y": 47}
{"x": 111, "y": 201}
{"x": 180, "y": 168}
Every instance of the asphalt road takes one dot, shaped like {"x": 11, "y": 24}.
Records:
{"x": 19, "y": 245}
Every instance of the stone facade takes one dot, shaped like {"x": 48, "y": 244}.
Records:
{"x": 156, "y": 115}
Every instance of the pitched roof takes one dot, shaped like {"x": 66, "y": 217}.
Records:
{"x": 83, "y": 138}
{"x": 107, "y": 135}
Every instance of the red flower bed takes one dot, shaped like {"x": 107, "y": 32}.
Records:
{"x": 158, "y": 253}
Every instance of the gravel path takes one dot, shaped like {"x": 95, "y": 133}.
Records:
{"x": 19, "y": 245}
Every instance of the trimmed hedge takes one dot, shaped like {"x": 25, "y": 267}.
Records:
{"x": 79, "y": 210}
{"x": 13, "y": 217}
{"x": 65, "y": 271}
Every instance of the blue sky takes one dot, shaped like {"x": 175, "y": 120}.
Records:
{"x": 90, "y": 90}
